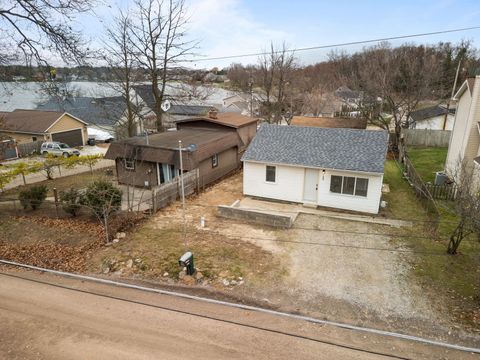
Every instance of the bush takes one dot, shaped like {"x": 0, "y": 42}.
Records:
{"x": 70, "y": 200}
{"x": 33, "y": 197}
{"x": 102, "y": 197}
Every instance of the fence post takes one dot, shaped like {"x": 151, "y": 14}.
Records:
{"x": 154, "y": 202}
{"x": 197, "y": 175}
{"x": 55, "y": 196}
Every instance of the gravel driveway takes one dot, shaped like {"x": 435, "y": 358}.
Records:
{"x": 369, "y": 278}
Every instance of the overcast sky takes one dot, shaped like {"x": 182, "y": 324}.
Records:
{"x": 230, "y": 27}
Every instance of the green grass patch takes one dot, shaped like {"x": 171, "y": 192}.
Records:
{"x": 453, "y": 277}
{"x": 401, "y": 200}
{"x": 427, "y": 161}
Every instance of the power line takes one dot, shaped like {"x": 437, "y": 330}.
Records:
{"x": 336, "y": 45}
{"x": 209, "y": 317}
{"x": 313, "y": 243}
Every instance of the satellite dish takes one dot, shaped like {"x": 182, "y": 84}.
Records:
{"x": 166, "y": 105}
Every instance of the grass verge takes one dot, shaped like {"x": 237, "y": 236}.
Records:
{"x": 452, "y": 277}
{"x": 427, "y": 161}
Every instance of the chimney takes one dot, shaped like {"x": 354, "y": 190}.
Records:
{"x": 212, "y": 114}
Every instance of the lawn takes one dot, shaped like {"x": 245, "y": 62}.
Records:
{"x": 427, "y": 161}
{"x": 451, "y": 277}
{"x": 63, "y": 183}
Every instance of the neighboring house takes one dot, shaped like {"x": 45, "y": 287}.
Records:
{"x": 211, "y": 145}
{"x": 105, "y": 114}
{"x": 181, "y": 112}
{"x": 173, "y": 112}
{"x": 349, "y": 98}
{"x": 434, "y": 118}
{"x": 244, "y": 103}
{"x": 240, "y": 107}
{"x": 465, "y": 139}
{"x": 329, "y": 122}
{"x": 245, "y": 126}
{"x": 25, "y": 126}
{"x": 336, "y": 168}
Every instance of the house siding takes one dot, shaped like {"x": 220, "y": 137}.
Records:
{"x": 23, "y": 138}
{"x": 144, "y": 171}
{"x": 289, "y": 187}
{"x": 227, "y": 162}
{"x": 436, "y": 123}
{"x": 462, "y": 142}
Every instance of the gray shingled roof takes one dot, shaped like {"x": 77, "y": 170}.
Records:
{"x": 429, "y": 112}
{"x": 340, "y": 149}
{"x": 106, "y": 111}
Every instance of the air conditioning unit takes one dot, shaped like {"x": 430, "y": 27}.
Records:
{"x": 440, "y": 178}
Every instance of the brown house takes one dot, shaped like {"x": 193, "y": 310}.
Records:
{"x": 213, "y": 145}
{"x": 330, "y": 122}
{"x": 39, "y": 125}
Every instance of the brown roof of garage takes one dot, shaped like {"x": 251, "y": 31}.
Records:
{"x": 329, "y": 122}
{"x": 28, "y": 121}
{"x": 199, "y": 144}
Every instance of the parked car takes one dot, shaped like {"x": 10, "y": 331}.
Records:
{"x": 58, "y": 149}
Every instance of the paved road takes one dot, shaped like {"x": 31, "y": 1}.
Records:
{"x": 41, "y": 321}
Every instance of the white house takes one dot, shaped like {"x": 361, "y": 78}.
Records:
{"x": 465, "y": 139}
{"x": 434, "y": 118}
{"x": 337, "y": 168}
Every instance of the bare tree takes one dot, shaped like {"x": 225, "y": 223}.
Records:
{"x": 276, "y": 69}
{"x": 467, "y": 203}
{"x": 159, "y": 38}
{"x": 119, "y": 54}
{"x": 27, "y": 27}
{"x": 393, "y": 80}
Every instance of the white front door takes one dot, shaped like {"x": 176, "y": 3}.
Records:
{"x": 310, "y": 185}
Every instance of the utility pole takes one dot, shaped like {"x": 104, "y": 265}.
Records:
{"x": 453, "y": 93}
{"x": 250, "y": 83}
{"x": 183, "y": 195}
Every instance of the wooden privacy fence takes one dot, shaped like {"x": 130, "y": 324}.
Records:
{"x": 168, "y": 193}
{"x": 426, "y": 137}
{"x": 29, "y": 148}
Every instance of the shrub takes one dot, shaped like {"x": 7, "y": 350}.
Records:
{"x": 70, "y": 200}
{"x": 102, "y": 197}
{"x": 33, "y": 197}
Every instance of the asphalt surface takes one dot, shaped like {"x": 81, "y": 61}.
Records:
{"x": 49, "y": 317}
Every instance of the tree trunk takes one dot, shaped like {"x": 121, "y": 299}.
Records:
{"x": 455, "y": 239}
{"x": 105, "y": 224}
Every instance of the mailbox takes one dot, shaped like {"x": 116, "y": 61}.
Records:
{"x": 187, "y": 261}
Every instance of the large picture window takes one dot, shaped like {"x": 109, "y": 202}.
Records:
{"x": 270, "y": 174}
{"x": 349, "y": 185}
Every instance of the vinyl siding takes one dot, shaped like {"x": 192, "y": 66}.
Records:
{"x": 459, "y": 133}
{"x": 24, "y": 138}
{"x": 290, "y": 181}
{"x": 436, "y": 123}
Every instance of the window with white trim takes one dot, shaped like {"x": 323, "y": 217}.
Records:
{"x": 129, "y": 164}
{"x": 270, "y": 173}
{"x": 349, "y": 185}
